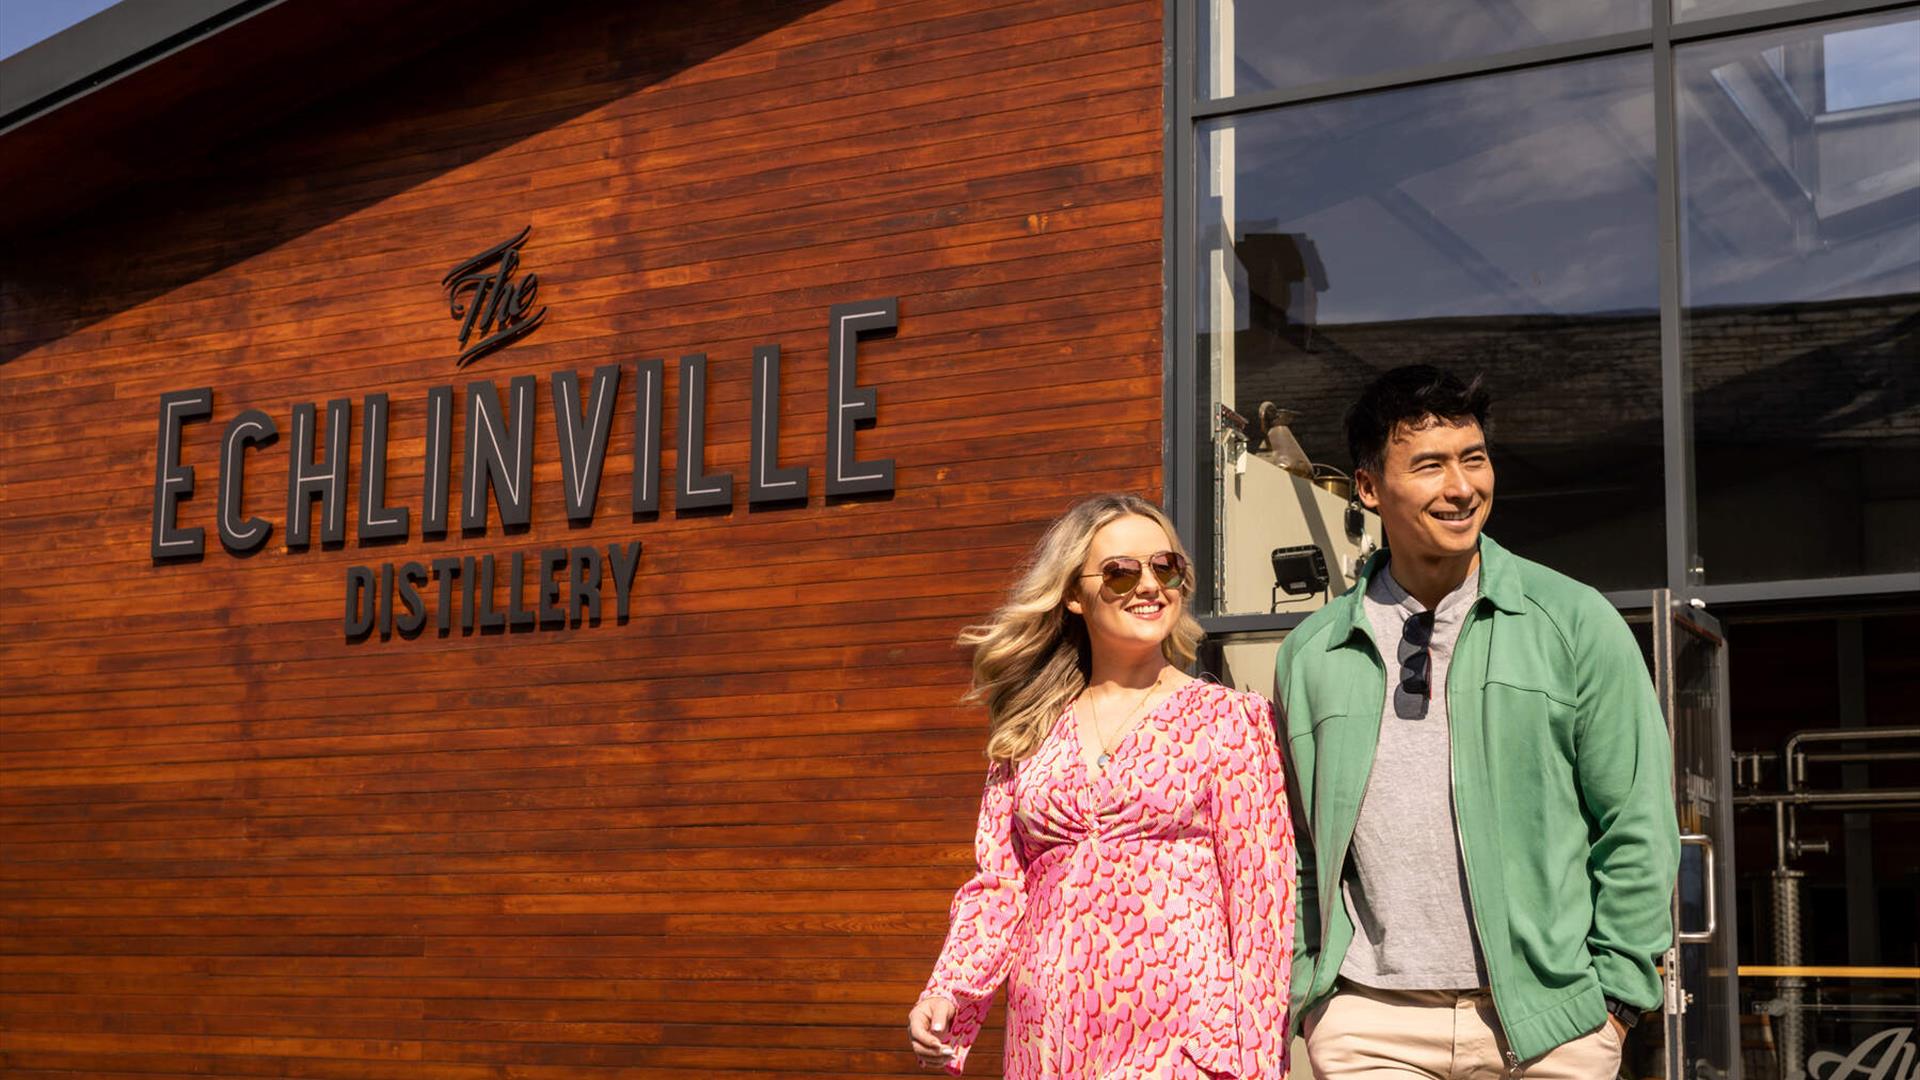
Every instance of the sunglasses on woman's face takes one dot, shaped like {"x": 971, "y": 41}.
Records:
{"x": 1121, "y": 574}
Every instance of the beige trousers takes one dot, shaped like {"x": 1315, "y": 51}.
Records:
{"x": 1361, "y": 1033}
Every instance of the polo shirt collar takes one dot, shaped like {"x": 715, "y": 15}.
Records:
{"x": 1499, "y": 586}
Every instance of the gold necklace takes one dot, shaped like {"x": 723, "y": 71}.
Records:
{"x": 1099, "y": 730}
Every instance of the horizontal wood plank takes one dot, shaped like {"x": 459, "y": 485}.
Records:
{"x": 717, "y": 837}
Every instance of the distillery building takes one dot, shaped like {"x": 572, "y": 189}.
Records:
{"x": 488, "y": 491}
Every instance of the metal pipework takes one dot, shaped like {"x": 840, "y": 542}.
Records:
{"x": 1790, "y": 990}
{"x": 1796, "y": 761}
{"x": 1893, "y": 799}
{"x": 1750, "y": 765}
{"x": 1789, "y": 1005}
{"x": 1861, "y": 755}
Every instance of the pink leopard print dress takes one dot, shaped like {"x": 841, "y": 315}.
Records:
{"x": 1141, "y": 915}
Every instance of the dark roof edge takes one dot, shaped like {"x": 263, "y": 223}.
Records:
{"x": 107, "y": 46}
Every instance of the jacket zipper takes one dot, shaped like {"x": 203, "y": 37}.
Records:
{"x": 1460, "y": 834}
{"x": 1340, "y": 864}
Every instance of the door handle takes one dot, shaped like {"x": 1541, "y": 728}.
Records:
{"x": 1702, "y": 937}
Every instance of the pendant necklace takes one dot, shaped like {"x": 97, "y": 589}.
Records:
{"x": 1106, "y": 752}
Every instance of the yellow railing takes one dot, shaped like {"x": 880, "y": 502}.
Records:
{"x": 1774, "y": 972}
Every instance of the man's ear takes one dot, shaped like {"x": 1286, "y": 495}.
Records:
{"x": 1366, "y": 487}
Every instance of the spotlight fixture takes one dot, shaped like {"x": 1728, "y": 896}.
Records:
{"x": 1298, "y": 571}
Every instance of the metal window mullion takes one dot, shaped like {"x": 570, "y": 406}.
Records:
{"x": 1775, "y": 18}
{"x": 1583, "y": 49}
{"x": 1663, "y": 29}
{"x": 1837, "y": 588}
{"x": 1256, "y": 623}
{"x": 1675, "y": 402}
{"x": 1182, "y": 440}
{"x": 1172, "y": 374}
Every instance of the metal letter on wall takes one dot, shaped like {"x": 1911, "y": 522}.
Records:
{"x": 377, "y": 519}
{"x": 499, "y": 455}
{"x": 768, "y": 482}
{"x": 328, "y": 484}
{"x": 173, "y": 481}
{"x": 583, "y": 452}
{"x": 360, "y": 602}
{"x": 251, "y": 428}
{"x": 433, "y": 516}
{"x": 698, "y": 488}
{"x": 647, "y": 412}
{"x": 849, "y": 405}
{"x": 483, "y": 295}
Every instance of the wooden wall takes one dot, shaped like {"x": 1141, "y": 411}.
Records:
{"x": 718, "y": 839}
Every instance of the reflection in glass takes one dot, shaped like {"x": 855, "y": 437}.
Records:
{"x": 1712, "y": 9}
{"x": 1263, "y": 45}
{"x": 1840, "y": 909}
{"x": 1800, "y": 189}
{"x": 1504, "y": 224}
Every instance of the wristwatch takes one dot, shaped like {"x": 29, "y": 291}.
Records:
{"x": 1628, "y": 1015}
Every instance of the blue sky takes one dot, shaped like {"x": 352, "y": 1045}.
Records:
{"x": 23, "y": 22}
{"x": 1873, "y": 66}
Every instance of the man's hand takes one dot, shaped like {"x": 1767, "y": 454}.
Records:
{"x": 1619, "y": 1029}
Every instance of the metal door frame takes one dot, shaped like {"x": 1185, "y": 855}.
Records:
{"x": 1671, "y": 619}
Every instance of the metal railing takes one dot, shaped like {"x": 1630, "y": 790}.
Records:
{"x": 1790, "y": 1007}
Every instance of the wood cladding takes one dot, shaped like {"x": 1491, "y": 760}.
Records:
{"x": 717, "y": 839}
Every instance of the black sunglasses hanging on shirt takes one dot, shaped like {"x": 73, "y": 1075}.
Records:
{"x": 1416, "y": 655}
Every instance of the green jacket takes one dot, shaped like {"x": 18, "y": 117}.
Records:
{"x": 1562, "y": 784}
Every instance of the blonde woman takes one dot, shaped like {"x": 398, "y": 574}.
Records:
{"x": 1135, "y": 859}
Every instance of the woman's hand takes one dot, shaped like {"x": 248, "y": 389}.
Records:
{"x": 927, "y": 1025}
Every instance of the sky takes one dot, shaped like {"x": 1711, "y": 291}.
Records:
{"x": 1873, "y": 66}
{"x": 24, "y": 22}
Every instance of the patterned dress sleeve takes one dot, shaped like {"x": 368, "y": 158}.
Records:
{"x": 986, "y": 912}
{"x": 1253, "y": 843}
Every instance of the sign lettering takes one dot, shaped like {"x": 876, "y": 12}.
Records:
{"x": 556, "y": 586}
{"x": 1885, "y": 1055}
{"x": 483, "y": 295}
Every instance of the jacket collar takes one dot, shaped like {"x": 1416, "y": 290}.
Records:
{"x": 1499, "y": 586}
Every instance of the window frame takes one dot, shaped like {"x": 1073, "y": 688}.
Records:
{"x": 1186, "y": 480}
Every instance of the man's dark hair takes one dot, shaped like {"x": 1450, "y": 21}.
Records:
{"x": 1409, "y": 395}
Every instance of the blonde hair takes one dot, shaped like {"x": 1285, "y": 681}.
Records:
{"x": 1032, "y": 656}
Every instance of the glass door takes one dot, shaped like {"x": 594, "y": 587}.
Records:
{"x": 1702, "y": 1022}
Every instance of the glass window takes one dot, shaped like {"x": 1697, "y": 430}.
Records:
{"x": 1251, "y": 47}
{"x": 1800, "y": 201}
{"x": 1505, "y": 224}
{"x": 1874, "y": 65}
{"x": 1710, "y": 9}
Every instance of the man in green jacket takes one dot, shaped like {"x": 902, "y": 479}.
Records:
{"x": 1481, "y": 780}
